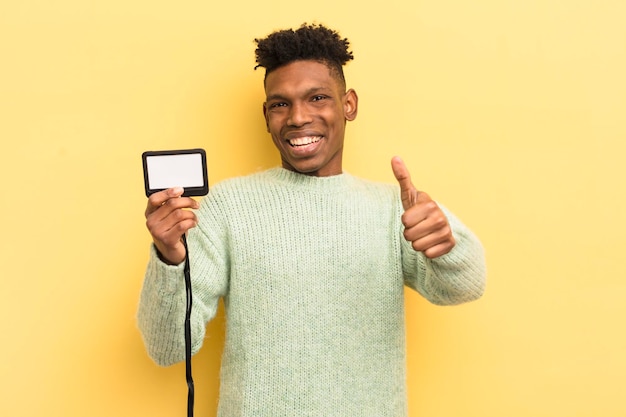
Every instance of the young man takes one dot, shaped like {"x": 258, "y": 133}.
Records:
{"x": 311, "y": 262}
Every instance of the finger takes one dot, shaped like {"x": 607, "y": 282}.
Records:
{"x": 157, "y": 200}
{"x": 162, "y": 196}
{"x": 438, "y": 250}
{"x": 426, "y": 213}
{"x": 401, "y": 172}
{"x": 170, "y": 213}
{"x": 434, "y": 245}
{"x": 408, "y": 192}
{"x": 423, "y": 239}
{"x": 168, "y": 230}
{"x": 177, "y": 224}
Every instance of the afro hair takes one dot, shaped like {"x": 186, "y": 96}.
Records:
{"x": 309, "y": 42}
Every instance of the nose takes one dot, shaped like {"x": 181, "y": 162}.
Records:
{"x": 298, "y": 115}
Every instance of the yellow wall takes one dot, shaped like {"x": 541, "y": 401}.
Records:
{"x": 512, "y": 113}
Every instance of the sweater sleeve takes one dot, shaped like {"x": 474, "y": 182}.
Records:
{"x": 162, "y": 303}
{"x": 454, "y": 278}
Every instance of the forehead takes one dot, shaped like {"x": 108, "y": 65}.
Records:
{"x": 300, "y": 76}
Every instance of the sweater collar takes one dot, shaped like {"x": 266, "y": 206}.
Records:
{"x": 310, "y": 183}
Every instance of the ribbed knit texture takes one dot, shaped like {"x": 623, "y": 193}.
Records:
{"x": 311, "y": 271}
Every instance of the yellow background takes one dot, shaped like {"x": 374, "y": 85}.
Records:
{"x": 511, "y": 113}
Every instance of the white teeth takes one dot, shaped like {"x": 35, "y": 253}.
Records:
{"x": 306, "y": 140}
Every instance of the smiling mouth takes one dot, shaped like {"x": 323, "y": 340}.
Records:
{"x": 303, "y": 141}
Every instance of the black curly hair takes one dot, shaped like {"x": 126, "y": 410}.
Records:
{"x": 309, "y": 42}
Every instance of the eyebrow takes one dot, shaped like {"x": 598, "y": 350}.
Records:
{"x": 308, "y": 92}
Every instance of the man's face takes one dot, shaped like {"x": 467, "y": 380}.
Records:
{"x": 305, "y": 111}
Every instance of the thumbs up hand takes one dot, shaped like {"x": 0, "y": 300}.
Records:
{"x": 425, "y": 224}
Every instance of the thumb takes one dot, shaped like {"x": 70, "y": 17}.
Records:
{"x": 408, "y": 192}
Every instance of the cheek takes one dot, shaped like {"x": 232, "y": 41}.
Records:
{"x": 274, "y": 129}
{"x": 273, "y": 123}
{"x": 336, "y": 121}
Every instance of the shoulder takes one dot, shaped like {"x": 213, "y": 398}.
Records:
{"x": 238, "y": 191}
{"x": 376, "y": 186}
{"x": 240, "y": 183}
{"x": 375, "y": 189}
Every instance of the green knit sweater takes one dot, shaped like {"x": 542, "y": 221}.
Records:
{"x": 312, "y": 271}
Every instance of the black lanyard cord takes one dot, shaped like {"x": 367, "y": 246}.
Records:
{"x": 188, "y": 332}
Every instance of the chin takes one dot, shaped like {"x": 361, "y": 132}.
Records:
{"x": 304, "y": 169}
{"x": 312, "y": 166}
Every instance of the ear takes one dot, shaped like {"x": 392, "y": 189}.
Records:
{"x": 265, "y": 116}
{"x": 350, "y": 105}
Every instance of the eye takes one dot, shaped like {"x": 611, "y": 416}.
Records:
{"x": 318, "y": 97}
{"x": 277, "y": 104}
